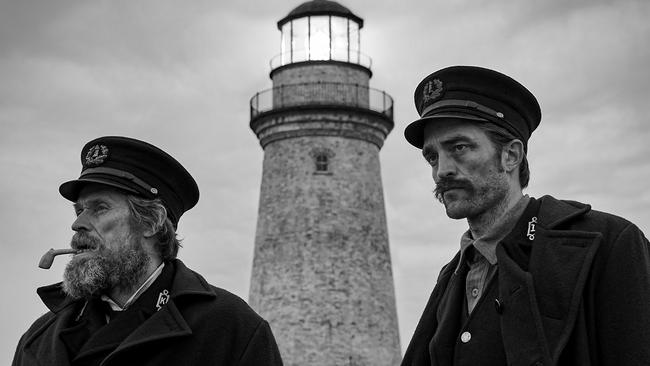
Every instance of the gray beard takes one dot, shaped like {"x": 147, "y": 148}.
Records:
{"x": 97, "y": 274}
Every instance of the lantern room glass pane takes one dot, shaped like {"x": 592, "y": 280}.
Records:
{"x": 285, "y": 44}
{"x": 300, "y": 39}
{"x": 339, "y": 39}
{"x": 319, "y": 38}
{"x": 354, "y": 42}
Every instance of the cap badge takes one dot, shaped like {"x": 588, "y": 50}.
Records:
{"x": 432, "y": 90}
{"x": 96, "y": 155}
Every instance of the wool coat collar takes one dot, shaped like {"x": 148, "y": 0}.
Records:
{"x": 164, "y": 324}
{"x": 540, "y": 302}
{"x": 540, "y": 305}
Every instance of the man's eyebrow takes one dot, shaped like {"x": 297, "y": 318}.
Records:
{"x": 92, "y": 202}
{"x": 456, "y": 139}
{"x": 450, "y": 140}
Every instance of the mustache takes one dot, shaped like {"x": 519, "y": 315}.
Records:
{"x": 84, "y": 241}
{"x": 446, "y": 184}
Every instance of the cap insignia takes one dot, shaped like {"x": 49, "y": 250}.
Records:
{"x": 96, "y": 155}
{"x": 432, "y": 90}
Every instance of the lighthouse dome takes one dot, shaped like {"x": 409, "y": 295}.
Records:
{"x": 320, "y": 7}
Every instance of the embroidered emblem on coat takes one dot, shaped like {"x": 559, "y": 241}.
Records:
{"x": 96, "y": 155}
{"x": 432, "y": 91}
{"x": 531, "y": 228}
{"x": 163, "y": 298}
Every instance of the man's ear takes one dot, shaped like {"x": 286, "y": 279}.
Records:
{"x": 512, "y": 155}
{"x": 153, "y": 228}
{"x": 149, "y": 232}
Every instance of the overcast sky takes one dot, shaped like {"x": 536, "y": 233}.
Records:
{"x": 180, "y": 74}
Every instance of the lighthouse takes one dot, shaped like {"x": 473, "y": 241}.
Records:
{"x": 322, "y": 270}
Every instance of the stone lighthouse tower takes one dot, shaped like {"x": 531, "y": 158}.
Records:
{"x": 322, "y": 270}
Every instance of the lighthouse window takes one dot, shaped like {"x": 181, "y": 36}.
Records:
{"x": 340, "y": 48}
{"x": 319, "y": 38}
{"x": 355, "y": 44}
{"x": 322, "y": 163}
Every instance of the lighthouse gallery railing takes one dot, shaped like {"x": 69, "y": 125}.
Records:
{"x": 321, "y": 93}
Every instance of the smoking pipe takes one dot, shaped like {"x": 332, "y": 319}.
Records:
{"x": 48, "y": 258}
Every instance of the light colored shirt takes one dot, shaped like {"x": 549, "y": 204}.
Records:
{"x": 482, "y": 261}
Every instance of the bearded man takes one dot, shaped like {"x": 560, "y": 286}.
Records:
{"x": 536, "y": 281}
{"x": 125, "y": 298}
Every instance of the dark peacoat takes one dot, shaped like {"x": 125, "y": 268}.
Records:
{"x": 583, "y": 297}
{"x": 198, "y": 324}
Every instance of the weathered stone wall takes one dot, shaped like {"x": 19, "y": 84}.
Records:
{"x": 322, "y": 272}
{"x": 319, "y": 121}
{"x": 310, "y": 72}
{"x": 320, "y": 84}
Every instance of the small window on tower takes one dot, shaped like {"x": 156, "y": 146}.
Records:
{"x": 322, "y": 163}
{"x": 322, "y": 160}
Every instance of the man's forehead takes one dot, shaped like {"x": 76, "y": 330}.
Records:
{"x": 95, "y": 191}
{"x": 451, "y": 129}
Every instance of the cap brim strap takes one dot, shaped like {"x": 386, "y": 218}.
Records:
{"x": 121, "y": 174}
{"x": 462, "y": 104}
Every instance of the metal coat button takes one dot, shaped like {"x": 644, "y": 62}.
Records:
{"x": 498, "y": 306}
{"x": 465, "y": 337}
{"x": 475, "y": 292}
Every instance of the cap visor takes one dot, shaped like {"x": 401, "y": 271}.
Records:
{"x": 414, "y": 132}
{"x": 70, "y": 190}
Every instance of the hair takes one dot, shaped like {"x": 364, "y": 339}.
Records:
{"x": 500, "y": 137}
{"x": 152, "y": 214}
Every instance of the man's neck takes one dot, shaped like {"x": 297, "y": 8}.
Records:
{"x": 482, "y": 223}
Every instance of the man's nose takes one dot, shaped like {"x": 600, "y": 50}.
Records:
{"x": 81, "y": 222}
{"x": 445, "y": 168}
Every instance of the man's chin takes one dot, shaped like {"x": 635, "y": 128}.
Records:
{"x": 84, "y": 276}
{"x": 453, "y": 214}
{"x": 456, "y": 209}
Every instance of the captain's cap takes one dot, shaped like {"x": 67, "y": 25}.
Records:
{"x": 137, "y": 168}
{"x": 476, "y": 94}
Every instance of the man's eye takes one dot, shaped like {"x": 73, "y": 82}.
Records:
{"x": 101, "y": 208}
{"x": 432, "y": 159}
{"x": 460, "y": 147}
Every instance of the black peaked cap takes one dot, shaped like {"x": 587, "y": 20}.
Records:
{"x": 477, "y": 94}
{"x": 138, "y": 168}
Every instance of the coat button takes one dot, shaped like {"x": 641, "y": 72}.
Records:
{"x": 498, "y": 305}
{"x": 465, "y": 337}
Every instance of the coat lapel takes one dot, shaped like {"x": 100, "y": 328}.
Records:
{"x": 64, "y": 314}
{"x": 148, "y": 320}
{"x": 545, "y": 299}
{"x": 55, "y": 351}
{"x": 561, "y": 261}
{"x": 91, "y": 318}
{"x": 163, "y": 325}
{"x": 521, "y": 328}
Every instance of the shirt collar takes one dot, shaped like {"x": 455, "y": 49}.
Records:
{"x": 486, "y": 245}
{"x": 145, "y": 285}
